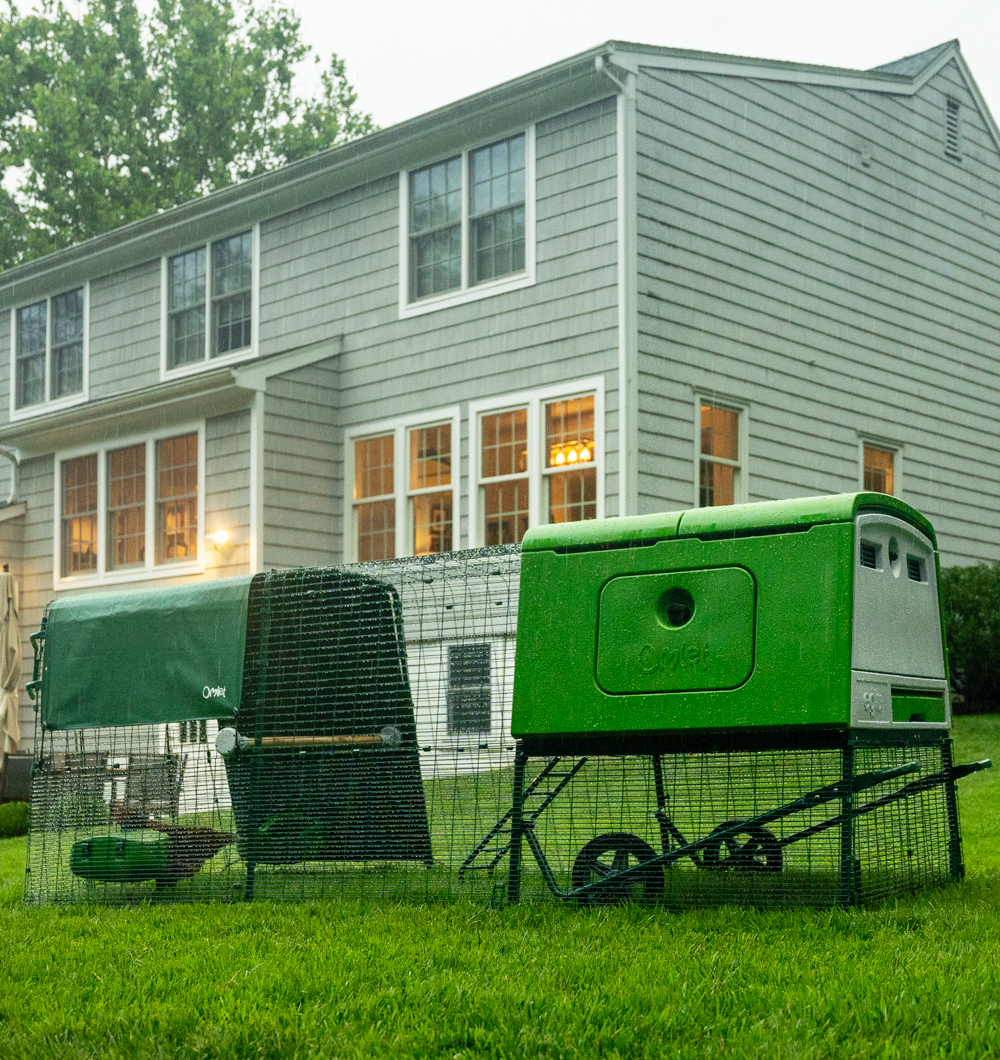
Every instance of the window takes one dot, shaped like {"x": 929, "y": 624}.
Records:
{"x": 719, "y": 472}
{"x": 570, "y": 468}
{"x": 405, "y": 481}
{"x": 375, "y": 494}
{"x": 469, "y": 699}
{"x": 49, "y": 344}
{"x": 536, "y": 461}
{"x": 952, "y": 130}
{"x": 504, "y": 471}
{"x": 466, "y": 225}
{"x": 118, "y": 522}
{"x": 208, "y": 303}
{"x": 878, "y": 470}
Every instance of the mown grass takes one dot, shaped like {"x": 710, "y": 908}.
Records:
{"x": 917, "y": 978}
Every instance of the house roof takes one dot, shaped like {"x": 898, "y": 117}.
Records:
{"x": 532, "y": 97}
{"x": 914, "y": 65}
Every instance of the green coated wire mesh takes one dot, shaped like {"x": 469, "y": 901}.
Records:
{"x": 371, "y": 758}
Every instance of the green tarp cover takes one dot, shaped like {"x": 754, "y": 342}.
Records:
{"x": 144, "y": 656}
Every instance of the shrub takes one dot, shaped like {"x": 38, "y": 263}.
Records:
{"x": 971, "y": 598}
{"x": 13, "y": 819}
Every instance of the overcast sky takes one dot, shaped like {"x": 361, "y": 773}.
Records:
{"x": 408, "y": 58}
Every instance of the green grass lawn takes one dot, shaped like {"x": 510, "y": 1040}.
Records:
{"x": 917, "y": 978}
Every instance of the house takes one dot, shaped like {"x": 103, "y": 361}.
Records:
{"x": 640, "y": 279}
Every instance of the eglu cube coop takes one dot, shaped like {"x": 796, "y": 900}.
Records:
{"x": 727, "y": 704}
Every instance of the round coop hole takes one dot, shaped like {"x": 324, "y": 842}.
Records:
{"x": 675, "y": 607}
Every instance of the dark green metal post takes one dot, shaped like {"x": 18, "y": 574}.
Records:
{"x": 256, "y": 763}
{"x": 956, "y": 864}
{"x": 516, "y": 827}
{"x": 850, "y": 882}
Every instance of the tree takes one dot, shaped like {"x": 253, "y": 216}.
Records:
{"x": 112, "y": 116}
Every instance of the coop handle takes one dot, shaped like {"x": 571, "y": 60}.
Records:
{"x": 230, "y": 740}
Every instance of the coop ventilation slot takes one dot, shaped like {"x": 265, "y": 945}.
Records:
{"x": 869, "y": 555}
{"x": 951, "y": 130}
{"x": 914, "y": 569}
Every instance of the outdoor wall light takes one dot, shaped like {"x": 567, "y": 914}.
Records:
{"x": 220, "y": 539}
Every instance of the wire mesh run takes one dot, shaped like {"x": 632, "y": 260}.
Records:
{"x": 371, "y": 758}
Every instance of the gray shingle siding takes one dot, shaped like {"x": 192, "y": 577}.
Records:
{"x": 831, "y": 297}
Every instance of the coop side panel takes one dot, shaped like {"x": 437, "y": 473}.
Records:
{"x": 303, "y": 468}
{"x": 809, "y": 254}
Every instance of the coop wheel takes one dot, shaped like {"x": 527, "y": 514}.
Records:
{"x": 611, "y": 853}
{"x": 753, "y": 849}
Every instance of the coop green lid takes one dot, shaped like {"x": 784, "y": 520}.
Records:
{"x": 145, "y": 656}
{"x": 736, "y": 519}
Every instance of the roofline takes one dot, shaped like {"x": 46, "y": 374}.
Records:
{"x": 530, "y": 97}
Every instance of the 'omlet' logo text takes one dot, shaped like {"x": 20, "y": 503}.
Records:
{"x": 213, "y": 693}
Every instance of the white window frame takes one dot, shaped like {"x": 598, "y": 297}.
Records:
{"x": 400, "y": 427}
{"x": 69, "y": 400}
{"x": 208, "y": 362}
{"x": 535, "y": 401}
{"x": 741, "y": 484}
{"x": 467, "y": 293}
{"x": 873, "y": 441}
{"x": 150, "y": 569}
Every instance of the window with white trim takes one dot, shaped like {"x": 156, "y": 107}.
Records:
{"x": 209, "y": 296}
{"x": 49, "y": 351}
{"x": 404, "y": 499}
{"x": 720, "y": 470}
{"x": 537, "y": 461}
{"x": 117, "y": 521}
{"x": 469, "y": 695}
{"x": 467, "y": 224}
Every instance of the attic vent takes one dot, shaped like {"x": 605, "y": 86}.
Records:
{"x": 914, "y": 569}
{"x": 869, "y": 555}
{"x": 951, "y": 130}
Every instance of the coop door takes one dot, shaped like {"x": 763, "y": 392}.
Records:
{"x": 687, "y": 631}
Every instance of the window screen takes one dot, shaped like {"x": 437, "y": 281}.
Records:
{"x": 469, "y": 699}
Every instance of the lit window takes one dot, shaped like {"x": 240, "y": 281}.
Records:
{"x": 127, "y": 506}
{"x": 430, "y": 505}
{"x": 210, "y": 301}
{"x": 570, "y": 464}
{"x": 403, "y": 499}
{"x": 504, "y": 475}
{"x": 79, "y": 516}
{"x": 719, "y": 463}
{"x": 374, "y": 494}
{"x": 48, "y": 345}
{"x": 177, "y": 498}
{"x": 538, "y": 462}
{"x": 111, "y": 509}
{"x": 879, "y": 470}
{"x": 469, "y": 698}
{"x": 492, "y": 181}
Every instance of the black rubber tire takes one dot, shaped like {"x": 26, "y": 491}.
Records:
{"x": 626, "y": 850}
{"x": 755, "y": 849}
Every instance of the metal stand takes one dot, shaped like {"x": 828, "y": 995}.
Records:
{"x": 955, "y": 861}
{"x": 850, "y": 867}
{"x": 516, "y": 827}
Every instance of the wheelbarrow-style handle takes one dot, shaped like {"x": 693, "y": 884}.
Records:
{"x": 230, "y": 740}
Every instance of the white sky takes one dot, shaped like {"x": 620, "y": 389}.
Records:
{"x": 405, "y": 58}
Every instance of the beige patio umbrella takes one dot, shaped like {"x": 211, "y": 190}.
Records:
{"x": 10, "y": 665}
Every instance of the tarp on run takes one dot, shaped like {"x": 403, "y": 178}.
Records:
{"x": 145, "y": 656}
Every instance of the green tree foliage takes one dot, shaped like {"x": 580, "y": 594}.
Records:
{"x": 972, "y": 625}
{"x": 113, "y": 116}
